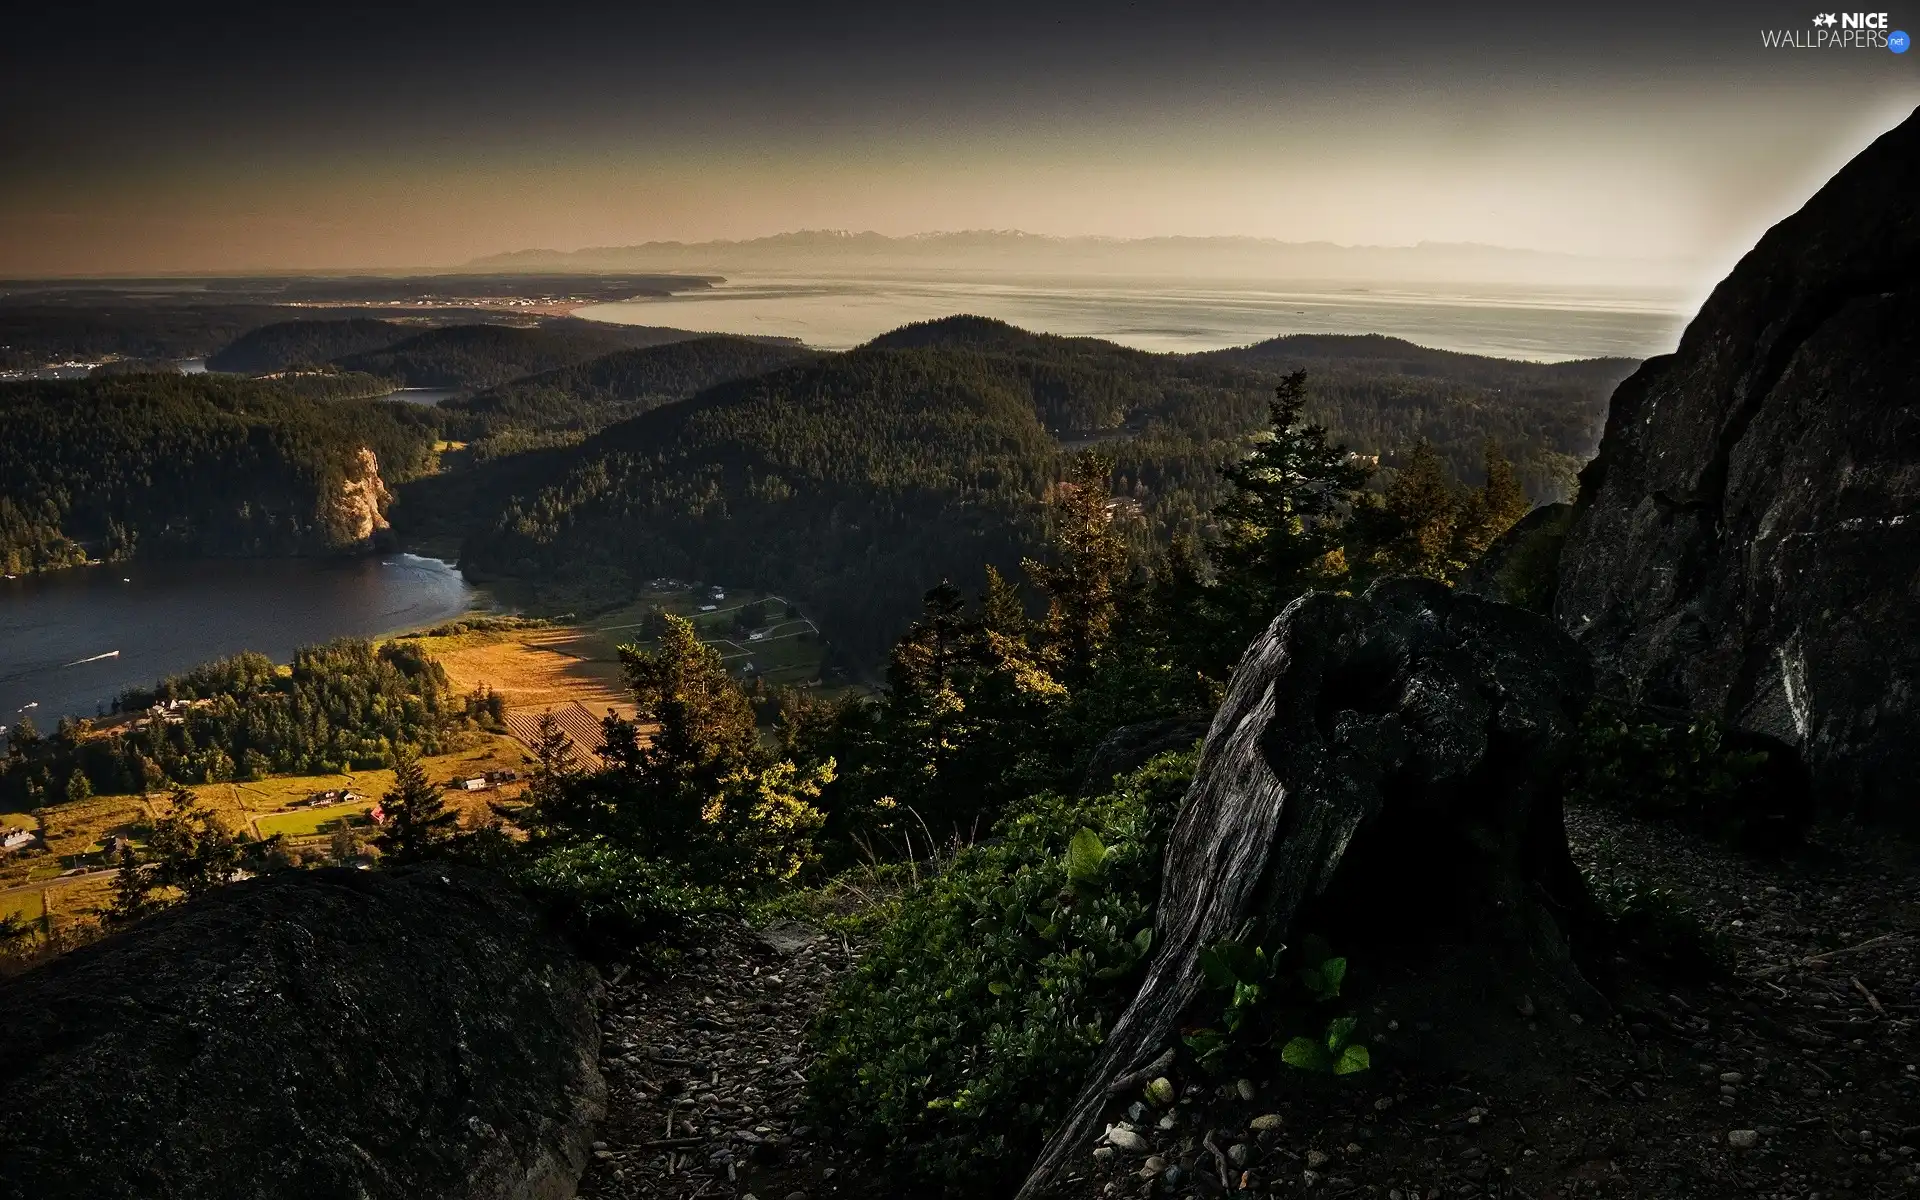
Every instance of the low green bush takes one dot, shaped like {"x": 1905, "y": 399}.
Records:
{"x": 959, "y": 1041}
{"x": 1692, "y": 771}
{"x": 609, "y": 896}
{"x": 1661, "y": 926}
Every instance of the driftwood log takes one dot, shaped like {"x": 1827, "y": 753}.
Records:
{"x": 1388, "y": 765}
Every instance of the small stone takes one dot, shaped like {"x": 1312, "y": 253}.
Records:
{"x": 1153, "y": 1166}
{"x": 1136, "y": 1112}
{"x": 1316, "y": 1159}
{"x": 1245, "y": 1088}
{"x": 1103, "y": 1157}
{"x": 603, "y": 1154}
{"x": 1239, "y": 1153}
{"x": 1732, "y": 1077}
{"x": 1176, "y": 1175}
{"x": 1309, "y": 1178}
{"x": 1160, "y": 1092}
{"x": 599, "y": 1146}
{"x": 1383, "y": 1104}
{"x": 796, "y": 1196}
{"x": 1264, "y": 1122}
{"x": 1353, "y": 1147}
{"x": 1525, "y": 1006}
{"x": 1743, "y": 1139}
{"x": 1126, "y": 1139}
{"x": 1168, "y": 1121}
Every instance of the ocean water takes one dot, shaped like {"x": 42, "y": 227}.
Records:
{"x": 835, "y": 313}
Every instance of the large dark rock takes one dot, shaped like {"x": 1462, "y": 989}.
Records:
{"x": 1522, "y": 566}
{"x": 1747, "y": 543}
{"x": 329, "y": 1033}
{"x": 1386, "y": 769}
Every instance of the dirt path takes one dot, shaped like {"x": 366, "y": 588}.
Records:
{"x": 705, "y": 1069}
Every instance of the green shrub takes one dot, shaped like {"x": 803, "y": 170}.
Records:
{"x": 610, "y": 896}
{"x": 959, "y": 1041}
{"x": 1692, "y": 771}
{"x": 1662, "y": 926}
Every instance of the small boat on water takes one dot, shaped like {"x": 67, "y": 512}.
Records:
{"x": 96, "y": 658}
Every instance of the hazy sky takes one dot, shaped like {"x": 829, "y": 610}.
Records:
{"x": 181, "y": 138}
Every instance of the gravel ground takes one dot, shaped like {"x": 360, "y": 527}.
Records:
{"x": 1796, "y": 1075}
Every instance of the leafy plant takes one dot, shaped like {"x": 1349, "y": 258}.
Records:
{"x": 959, "y": 1040}
{"x": 1690, "y": 770}
{"x": 610, "y": 895}
{"x": 1662, "y": 925}
{"x": 1335, "y": 1054}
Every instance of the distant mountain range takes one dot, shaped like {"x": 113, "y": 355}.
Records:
{"x": 1004, "y": 252}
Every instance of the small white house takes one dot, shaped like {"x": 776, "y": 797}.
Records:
{"x": 13, "y": 839}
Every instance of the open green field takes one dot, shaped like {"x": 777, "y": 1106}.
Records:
{"x": 307, "y": 822}
{"x": 25, "y": 905}
{"x": 783, "y": 648}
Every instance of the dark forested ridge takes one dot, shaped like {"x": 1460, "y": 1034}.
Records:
{"x": 853, "y": 479}
{"x": 1382, "y": 394}
{"x": 484, "y": 356}
{"x": 286, "y": 344}
{"x": 32, "y": 335}
{"x": 623, "y": 384}
{"x": 170, "y": 464}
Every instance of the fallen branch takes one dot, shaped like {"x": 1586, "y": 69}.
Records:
{"x": 1830, "y": 955}
{"x": 1871, "y": 998}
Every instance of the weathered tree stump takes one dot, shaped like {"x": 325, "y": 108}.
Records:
{"x": 1387, "y": 767}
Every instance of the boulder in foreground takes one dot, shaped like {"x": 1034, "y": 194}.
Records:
{"x": 331, "y": 1033}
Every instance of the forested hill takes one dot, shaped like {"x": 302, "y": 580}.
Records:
{"x": 484, "y": 356}
{"x": 852, "y": 480}
{"x": 1382, "y": 394}
{"x": 623, "y": 384}
{"x": 193, "y": 464}
{"x": 286, "y": 344}
{"x": 855, "y": 479}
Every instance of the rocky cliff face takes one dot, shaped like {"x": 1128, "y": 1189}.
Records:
{"x": 313, "y": 1033}
{"x": 357, "y": 508}
{"x": 1747, "y": 543}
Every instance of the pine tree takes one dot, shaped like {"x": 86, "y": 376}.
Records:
{"x": 133, "y": 889}
{"x": 416, "y": 818}
{"x": 1279, "y": 533}
{"x": 1412, "y": 530}
{"x": 1490, "y": 510}
{"x": 190, "y": 848}
{"x": 703, "y": 733}
{"x": 1087, "y": 571}
{"x": 550, "y": 789}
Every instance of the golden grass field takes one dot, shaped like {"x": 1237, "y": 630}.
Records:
{"x": 258, "y": 808}
{"x": 536, "y": 668}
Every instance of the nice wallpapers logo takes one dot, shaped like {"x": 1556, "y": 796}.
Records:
{"x": 1840, "y": 31}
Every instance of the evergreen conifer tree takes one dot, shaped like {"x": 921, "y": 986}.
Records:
{"x": 417, "y": 818}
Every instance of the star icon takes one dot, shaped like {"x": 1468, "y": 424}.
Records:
{"x": 1827, "y": 19}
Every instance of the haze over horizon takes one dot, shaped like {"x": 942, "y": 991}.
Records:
{"x": 385, "y": 139}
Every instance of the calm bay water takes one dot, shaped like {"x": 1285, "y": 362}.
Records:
{"x": 1543, "y": 324}
{"x": 58, "y": 631}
